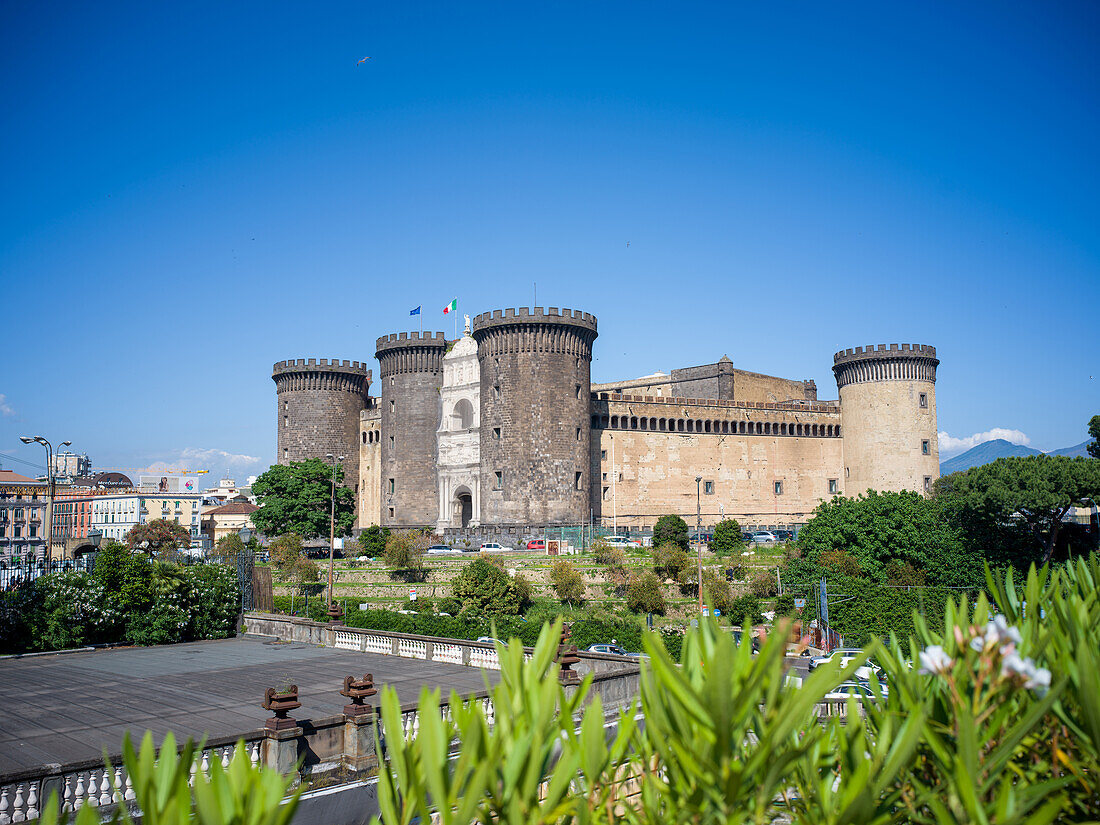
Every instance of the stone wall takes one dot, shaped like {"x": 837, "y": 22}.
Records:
{"x": 370, "y": 468}
{"x": 411, "y": 372}
{"x": 319, "y": 404}
{"x": 535, "y": 380}
{"x": 888, "y": 404}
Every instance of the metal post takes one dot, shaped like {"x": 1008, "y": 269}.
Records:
{"x": 333, "y": 610}
{"x": 698, "y": 537}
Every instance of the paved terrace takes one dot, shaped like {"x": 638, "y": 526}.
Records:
{"x": 69, "y": 707}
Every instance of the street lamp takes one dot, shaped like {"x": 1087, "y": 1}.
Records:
{"x": 333, "y": 610}
{"x": 698, "y": 536}
{"x": 26, "y": 439}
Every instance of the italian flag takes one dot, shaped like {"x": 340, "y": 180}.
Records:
{"x": 451, "y": 307}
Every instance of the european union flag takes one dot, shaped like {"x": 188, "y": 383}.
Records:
{"x": 415, "y": 311}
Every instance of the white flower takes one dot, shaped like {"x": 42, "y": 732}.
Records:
{"x": 999, "y": 632}
{"x": 933, "y": 659}
{"x": 1035, "y": 678}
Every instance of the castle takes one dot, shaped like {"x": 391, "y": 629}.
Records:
{"x": 504, "y": 428}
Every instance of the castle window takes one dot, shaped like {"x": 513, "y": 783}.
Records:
{"x": 845, "y": 472}
{"x": 928, "y": 484}
{"x": 577, "y": 480}
{"x": 603, "y": 476}
{"x": 286, "y": 420}
{"x": 391, "y": 512}
{"x": 925, "y": 448}
{"x": 285, "y": 453}
{"x": 391, "y": 485}
{"x": 779, "y": 488}
{"x": 834, "y": 486}
{"x": 496, "y": 433}
{"x": 578, "y": 433}
{"x": 499, "y": 479}
{"x": 393, "y": 406}
{"x": 391, "y": 442}
{"x": 364, "y": 438}
{"x": 606, "y": 493}
{"x": 924, "y": 400}
{"x": 496, "y": 392}
{"x": 708, "y": 488}
{"x": 603, "y": 455}
{"x": 577, "y": 388}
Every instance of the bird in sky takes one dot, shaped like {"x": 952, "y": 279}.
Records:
{"x": 364, "y": 60}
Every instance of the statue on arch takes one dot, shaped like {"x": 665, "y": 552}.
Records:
{"x": 466, "y": 320}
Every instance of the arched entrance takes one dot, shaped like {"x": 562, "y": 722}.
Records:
{"x": 462, "y": 507}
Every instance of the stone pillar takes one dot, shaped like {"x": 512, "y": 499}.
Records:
{"x": 359, "y": 753}
{"x": 280, "y": 750}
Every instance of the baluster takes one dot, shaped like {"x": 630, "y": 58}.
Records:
{"x": 32, "y": 801}
{"x": 205, "y": 766}
{"x": 105, "y": 789}
{"x": 254, "y": 757}
{"x": 78, "y": 792}
{"x": 118, "y": 786}
{"x": 226, "y": 751}
{"x": 67, "y": 795}
{"x": 93, "y": 791}
{"x": 128, "y": 794}
{"x": 5, "y": 808}
{"x": 194, "y": 770}
{"x": 17, "y": 814}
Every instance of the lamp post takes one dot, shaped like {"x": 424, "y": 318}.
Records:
{"x": 333, "y": 610}
{"x": 698, "y": 536}
{"x": 49, "y": 486}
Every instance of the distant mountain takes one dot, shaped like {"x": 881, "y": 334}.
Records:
{"x": 983, "y": 454}
{"x": 1080, "y": 450}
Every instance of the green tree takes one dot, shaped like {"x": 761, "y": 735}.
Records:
{"x": 670, "y": 529}
{"x": 568, "y": 582}
{"x": 1032, "y": 492}
{"x": 727, "y": 538}
{"x": 878, "y": 528}
{"x": 483, "y": 589}
{"x": 716, "y": 591}
{"x": 159, "y": 537}
{"x": 644, "y": 594}
{"x": 284, "y": 553}
{"x": 296, "y": 498}
{"x": 230, "y": 545}
{"x": 671, "y": 561}
{"x": 372, "y": 540}
{"x": 745, "y": 610}
{"x": 405, "y": 551}
{"x": 1094, "y": 431}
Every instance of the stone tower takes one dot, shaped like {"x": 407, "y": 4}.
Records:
{"x": 535, "y": 440}
{"x": 888, "y": 417}
{"x": 411, "y": 372}
{"x": 319, "y": 405}
{"x": 370, "y": 467}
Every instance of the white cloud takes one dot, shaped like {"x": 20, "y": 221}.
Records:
{"x": 5, "y": 407}
{"x": 200, "y": 458}
{"x": 949, "y": 444}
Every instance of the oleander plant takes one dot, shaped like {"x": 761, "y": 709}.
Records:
{"x": 994, "y": 718}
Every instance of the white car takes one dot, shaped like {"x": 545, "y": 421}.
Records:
{"x": 441, "y": 550}
{"x": 844, "y": 654}
{"x": 621, "y": 541}
{"x": 861, "y": 690}
{"x": 493, "y": 547}
{"x": 761, "y": 536}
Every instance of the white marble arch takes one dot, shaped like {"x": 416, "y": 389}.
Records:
{"x": 458, "y": 437}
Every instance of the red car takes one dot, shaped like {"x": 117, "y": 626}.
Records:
{"x": 536, "y": 544}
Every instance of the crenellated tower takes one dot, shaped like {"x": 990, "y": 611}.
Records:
{"x": 888, "y": 417}
{"x": 319, "y": 405}
{"x": 411, "y": 372}
{"x": 535, "y": 439}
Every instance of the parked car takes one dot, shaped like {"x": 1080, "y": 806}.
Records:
{"x": 784, "y": 535}
{"x": 536, "y": 544}
{"x": 612, "y": 649}
{"x": 441, "y": 550}
{"x": 622, "y": 541}
{"x": 844, "y": 655}
{"x": 861, "y": 690}
{"x": 746, "y": 537}
{"x": 490, "y": 640}
{"x": 494, "y": 547}
{"x": 762, "y": 536}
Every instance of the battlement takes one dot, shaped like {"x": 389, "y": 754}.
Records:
{"x": 796, "y": 406}
{"x": 396, "y": 340}
{"x": 535, "y": 315}
{"x": 320, "y": 365}
{"x": 882, "y": 351}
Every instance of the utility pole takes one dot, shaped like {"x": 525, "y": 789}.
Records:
{"x": 333, "y": 610}
{"x": 698, "y": 536}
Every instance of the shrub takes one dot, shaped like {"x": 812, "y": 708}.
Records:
{"x": 214, "y": 600}
{"x": 727, "y": 538}
{"x": 567, "y": 581}
{"x": 484, "y": 589}
{"x": 230, "y": 545}
{"x": 524, "y": 591}
{"x": 604, "y": 553}
{"x": 449, "y": 605}
{"x": 284, "y": 552}
{"x": 405, "y": 551}
{"x": 763, "y": 585}
{"x": 644, "y": 594}
{"x": 670, "y": 529}
{"x": 670, "y": 561}
{"x": 373, "y": 541}
{"x": 716, "y": 591}
{"x": 784, "y": 605}
{"x": 745, "y": 611}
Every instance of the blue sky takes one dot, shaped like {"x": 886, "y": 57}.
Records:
{"x": 195, "y": 191}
